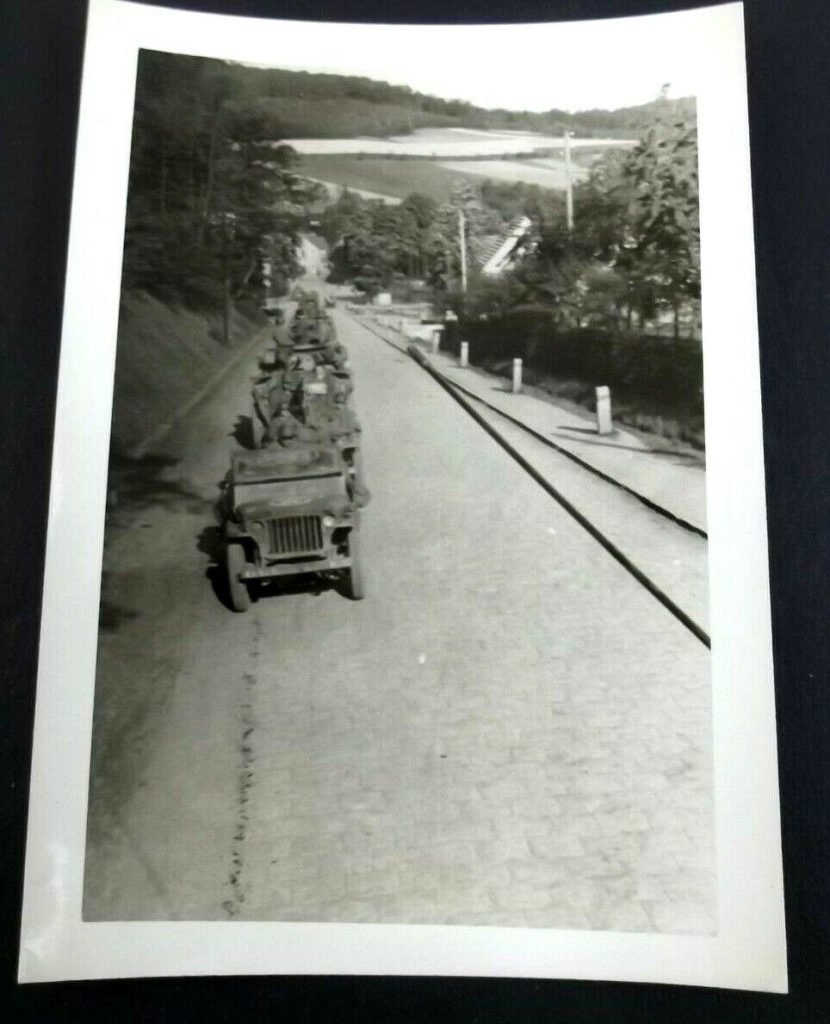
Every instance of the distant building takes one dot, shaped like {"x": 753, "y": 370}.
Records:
{"x": 501, "y": 250}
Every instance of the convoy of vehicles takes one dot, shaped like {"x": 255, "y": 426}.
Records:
{"x": 291, "y": 504}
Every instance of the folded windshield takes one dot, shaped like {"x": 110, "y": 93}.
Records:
{"x": 291, "y": 492}
{"x": 262, "y": 465}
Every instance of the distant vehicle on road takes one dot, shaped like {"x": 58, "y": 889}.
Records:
{"x": 275, "y": 313}
{"x": 288, "y": 512}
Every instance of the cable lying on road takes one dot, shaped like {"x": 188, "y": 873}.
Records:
{"x": 659, "y": 509}
{"x": 583, "y": 521}
{"x": 544, "y": 439}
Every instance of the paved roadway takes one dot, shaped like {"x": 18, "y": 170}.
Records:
{"x": 508, "y": 730}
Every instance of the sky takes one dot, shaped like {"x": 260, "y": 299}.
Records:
{"x": 571, "y": 66}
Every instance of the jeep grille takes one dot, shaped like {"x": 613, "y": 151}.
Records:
{"x": 295, "y": 535}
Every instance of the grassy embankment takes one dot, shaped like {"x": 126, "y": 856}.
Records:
{"x": 667, "y": 418}
{"x": 165, "y": 356}
{"x": 656, "y": 382}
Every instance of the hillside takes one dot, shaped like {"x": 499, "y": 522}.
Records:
{"x": 165, "y": 355}
{"x": 307, "y": 105}
{"x": 304, "y": 105}
{"x": 299, "y": 104}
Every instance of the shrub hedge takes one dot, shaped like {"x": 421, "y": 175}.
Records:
{"x": 661, "y": 375}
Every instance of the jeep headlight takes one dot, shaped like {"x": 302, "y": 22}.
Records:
{"x": 328, "y": 521}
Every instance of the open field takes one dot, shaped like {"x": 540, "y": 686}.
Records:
{"x": 383, "y": 177}
{"x": 379, "y": 177}
{"x": 334, "y": 190}
{"x": 578, "y": 167}
{"x": 446, "y": 143}
{"x": 431, "y": 160}
{"x": 552, "y": 176}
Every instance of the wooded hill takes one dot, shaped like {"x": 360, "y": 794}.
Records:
{"x": 301, "y": 104}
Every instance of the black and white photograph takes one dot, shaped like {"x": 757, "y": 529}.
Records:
{"x": 403, "y": 548}
{"x": 449, "y": 700}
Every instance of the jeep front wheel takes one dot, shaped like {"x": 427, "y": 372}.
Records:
{"x": 235, "y": 563}
{"x": 355, "y": 588}
{"x": 257, "y": 430}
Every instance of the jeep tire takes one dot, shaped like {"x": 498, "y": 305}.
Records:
{"x": 238, "y": 592}
{"x": 355, "y": 587}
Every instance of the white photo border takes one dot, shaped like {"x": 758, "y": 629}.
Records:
{"x": 749, "y": 951}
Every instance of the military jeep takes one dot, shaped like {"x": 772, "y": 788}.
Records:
{"x": 274, "y": 311}
{"x": 289, "y": 512}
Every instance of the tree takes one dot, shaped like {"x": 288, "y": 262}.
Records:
{"x": 443, "y": 247}
{"x": 375, "y": 243}
{"x": 635, "y": 246}
{"x": 551, "y": 275}
{"x": 422, "y": 208}
{"x": 663, "y": 258}
{"x": 207, "y": 202}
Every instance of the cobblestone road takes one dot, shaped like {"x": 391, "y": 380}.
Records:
{"x": 507, "y": 731}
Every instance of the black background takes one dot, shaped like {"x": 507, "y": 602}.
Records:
{"x": 788, "y": 51}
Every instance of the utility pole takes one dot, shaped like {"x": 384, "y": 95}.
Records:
{"x": 462, "y": 244}
{"x": 569, "y": 192}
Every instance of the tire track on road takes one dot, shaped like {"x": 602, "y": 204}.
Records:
{"x": 247, "y": 765}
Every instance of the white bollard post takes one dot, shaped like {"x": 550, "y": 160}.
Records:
{"x": 604, "y": 425}
{"x": 436, "y": 341}
{"x": 465, "y": 353}
{"x": 517, "y": 376}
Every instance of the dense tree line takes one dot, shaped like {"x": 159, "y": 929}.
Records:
{"x": 207, "y": 203}
{"x": 633, "y": 257}
{"x": 408, "y": 109}
{"x": 599, "y": 304}
{"x": 632, "y": 260}
{"x": 303, "y": 104}
{"x": 377, "y": 245}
